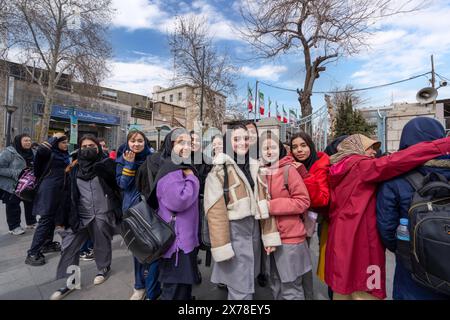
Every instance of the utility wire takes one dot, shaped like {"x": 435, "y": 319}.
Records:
{"x": 351, "y": 90}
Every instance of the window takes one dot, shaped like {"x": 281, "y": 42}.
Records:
{"x": 180, "y": 96}
{"x": 163, "y": 99}
{"x": 171, "y": 98}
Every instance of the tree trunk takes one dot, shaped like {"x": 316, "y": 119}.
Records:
{"x": 46, "y": 117}
{"x": 305, "y": 98}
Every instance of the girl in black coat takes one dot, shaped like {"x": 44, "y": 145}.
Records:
{"x": 50, "y": 164}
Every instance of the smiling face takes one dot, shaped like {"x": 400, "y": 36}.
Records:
{"x": 217, "y": 145}
{"x": 270, "y": 151}
{"x": 182, "y": 145}
{"x": 252, "y": 133}
{"x": 195, "y": 142}
{"x": 136, "y": 143}
{"x": 26, "y": 142}
{"x": 300, "y": 149}
{"x": 240, "y": 141}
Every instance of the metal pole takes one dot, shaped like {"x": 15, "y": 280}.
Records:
{"x": 256, "y": 98}
{"x": 8, "y": 134}
{"x": 433, "y": 79}
{"x": 203, "y": 85}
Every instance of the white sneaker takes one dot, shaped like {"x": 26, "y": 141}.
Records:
{"x": 102, "y": 276}
{"x": 138, "y": 294}
{"x": 17, "y": 231}
{"x": 61, "y": 293}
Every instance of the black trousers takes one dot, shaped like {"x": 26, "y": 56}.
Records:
{"x": 13, "y": 211}
{"x": 176, "y": 291}
{"x": 43, "y": 234}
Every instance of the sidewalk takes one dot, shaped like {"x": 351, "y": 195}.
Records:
{"x": 19, "y": 281}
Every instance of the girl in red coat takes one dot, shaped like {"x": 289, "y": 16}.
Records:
{"x": 355, "y": 258}
{"x": 314, "y": 168}
{"x": 288, "y": 200}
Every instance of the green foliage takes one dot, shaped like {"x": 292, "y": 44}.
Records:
{"x": 351, "y": 121}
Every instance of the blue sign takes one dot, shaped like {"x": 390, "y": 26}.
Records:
{"x": 87, "y": 116}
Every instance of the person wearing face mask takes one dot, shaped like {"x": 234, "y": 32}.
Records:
{"x": 131, "y": 156}
{"x": 51, "y": 162}
{"x": 354, "y": 248}
{"x": 235, "y": 211}
{"x": 94, "y": 211}
{"x": 176, "y": 195}
{"x": 313, "y": 166}
{"x": 13, "y": 160}
{"x": 288, "y": 201}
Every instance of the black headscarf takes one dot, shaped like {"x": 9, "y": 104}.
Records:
{"x": 27, "y": 154}
{"x": 331, "y": 149}
{"x": 169, "y": 163}
{"x": 245, "y": 167}
{"x": 282, "y": 150}
{"x": 58, "y": 154}
{"x": 308, "y": 163}
{"x": 87, "y": 158}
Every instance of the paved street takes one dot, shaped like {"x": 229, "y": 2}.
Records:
{"x": 20, "y": 281}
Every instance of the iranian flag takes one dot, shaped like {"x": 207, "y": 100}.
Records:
{"x": 249, "y": 99}
{"x": 278, "y": 113}
{"x": 292, "y": 116}
{"x": 270, "y": 104}
{"x": 261, "y": 103}
{"x": 285, "y": 119}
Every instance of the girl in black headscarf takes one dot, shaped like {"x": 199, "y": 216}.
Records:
{"x": 94, "y": 209}
{"x": 50, "y": 164}
{"x": 13, "y": 161}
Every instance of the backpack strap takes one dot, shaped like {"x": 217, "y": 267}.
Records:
{"x": 416, "y": 179}
{"x": 226, "y": 189}
{"x": 286, "y": 177}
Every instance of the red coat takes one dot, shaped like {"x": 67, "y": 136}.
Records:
{"x": 287, "y": 205}
{"x": 317, "y": 182}
{"x": 353, "y": 241}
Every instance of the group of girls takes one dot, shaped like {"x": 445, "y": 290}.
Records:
{"x": 256, "y": 197}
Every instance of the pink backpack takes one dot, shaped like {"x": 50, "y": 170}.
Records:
{"x": 27, "y": 186}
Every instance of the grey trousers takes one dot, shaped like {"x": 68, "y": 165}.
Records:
{"x": 236, "y": 295}
{"x": 100, "y": 232}
{"x": 308, "y": 287}
{"x": 284, "y": 291}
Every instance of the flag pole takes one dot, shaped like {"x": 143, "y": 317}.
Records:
{"x": 256, "y": 98}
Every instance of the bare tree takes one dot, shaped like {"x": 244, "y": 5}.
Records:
{"x": 323, "y": 30}
{"x": 196, "y": 59}
{"x": 60, "y": 37}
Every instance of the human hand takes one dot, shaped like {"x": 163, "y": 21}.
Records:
{"x": 129, "y": 156}
{"x": 187, "y": 172}
{"x": 269, "y": 250}
{"x": 58, "y": 135}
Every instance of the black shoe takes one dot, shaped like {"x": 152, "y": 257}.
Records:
{"x": 262, "y": 280}
{"x": 35, "y": 260}
{"x": 51, "y": 247}
{"x": 222, "y": 286}
{"x": 87, "y": 256}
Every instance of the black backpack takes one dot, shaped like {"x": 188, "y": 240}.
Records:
{"x": 429, "y": 229}
{"x": 145, "y": 233}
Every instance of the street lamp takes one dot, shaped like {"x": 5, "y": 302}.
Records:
{"x": 9, "y": 110}
{"x": 159, "y": 137}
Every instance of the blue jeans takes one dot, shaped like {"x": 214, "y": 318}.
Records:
{"x": 146, "y": 277}
{"x": 87, "y": 246}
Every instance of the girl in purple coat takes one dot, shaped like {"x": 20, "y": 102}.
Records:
{"x": 177, "y": 194}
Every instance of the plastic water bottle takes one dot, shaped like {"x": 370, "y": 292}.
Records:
{"x": 402, "y": 230}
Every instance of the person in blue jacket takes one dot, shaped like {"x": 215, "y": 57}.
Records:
{"x": 134, "y": 154}
{"x": 394, "y": 200}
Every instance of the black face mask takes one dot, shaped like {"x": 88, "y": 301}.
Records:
{"x": 88, "y": 154}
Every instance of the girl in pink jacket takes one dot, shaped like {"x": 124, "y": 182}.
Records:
{"x": 288, "y": 200}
